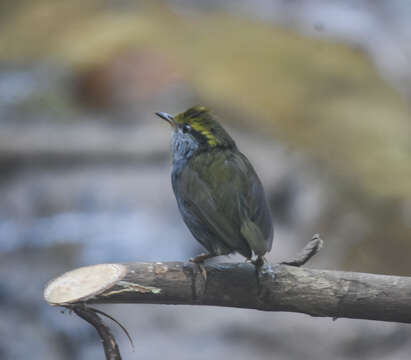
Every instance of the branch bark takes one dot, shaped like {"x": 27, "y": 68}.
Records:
{"x": 111, "y": 350}
{"x": 277, "y": 288}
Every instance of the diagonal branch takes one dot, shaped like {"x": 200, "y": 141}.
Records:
{"x": 110, "y": 346}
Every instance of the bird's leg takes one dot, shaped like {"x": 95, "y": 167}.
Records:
{"x": 259, "y": 262}
{"x": 199, "y": 260}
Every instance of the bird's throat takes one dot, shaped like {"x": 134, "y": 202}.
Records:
{"x": 184, "y": 147}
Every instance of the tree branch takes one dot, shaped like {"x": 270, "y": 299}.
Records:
{"x": 277, "y": 288}
{"x": 110, "y": 346}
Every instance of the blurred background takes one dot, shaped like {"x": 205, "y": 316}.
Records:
{"x": 316, "y": 94}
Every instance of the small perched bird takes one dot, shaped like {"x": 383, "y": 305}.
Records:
{"x": 218, "y": 192}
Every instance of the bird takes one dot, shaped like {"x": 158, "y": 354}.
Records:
{"x": 219, "y": 194}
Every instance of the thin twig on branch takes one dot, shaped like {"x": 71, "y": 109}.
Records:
{"x": 312, "y": 248}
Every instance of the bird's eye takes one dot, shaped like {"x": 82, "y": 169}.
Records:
{"x": 186, "y": 128}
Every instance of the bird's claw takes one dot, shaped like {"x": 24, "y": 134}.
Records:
{"x": 199, "y": 261}
{"x": 203, "y": 270}
{"x": 259, "y": 262}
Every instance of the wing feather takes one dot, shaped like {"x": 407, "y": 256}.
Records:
{"x": 222, "y": 197}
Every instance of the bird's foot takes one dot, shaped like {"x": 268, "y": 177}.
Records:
{"x": 199, "y": 260}
{"x": 259, "y": 262}
{"x": 262, "y": 268}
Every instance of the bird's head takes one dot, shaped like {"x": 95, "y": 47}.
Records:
{"x": 197, "y": 124}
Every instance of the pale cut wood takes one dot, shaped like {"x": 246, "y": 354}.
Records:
{"x": 82, "y": 283}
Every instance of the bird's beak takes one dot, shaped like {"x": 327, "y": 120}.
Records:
{"x": 167, "y": 118}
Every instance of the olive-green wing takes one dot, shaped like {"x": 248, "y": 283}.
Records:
{"x": 223, "y": 193}
{"x": 256, "y": 218}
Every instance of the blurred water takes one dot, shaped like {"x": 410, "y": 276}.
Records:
{"x": 105, "y": 237}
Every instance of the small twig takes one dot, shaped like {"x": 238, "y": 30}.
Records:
{"x": 312, "y": 248}
{"x": 116, "y": 321}
{"x": 109, "y": 343}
